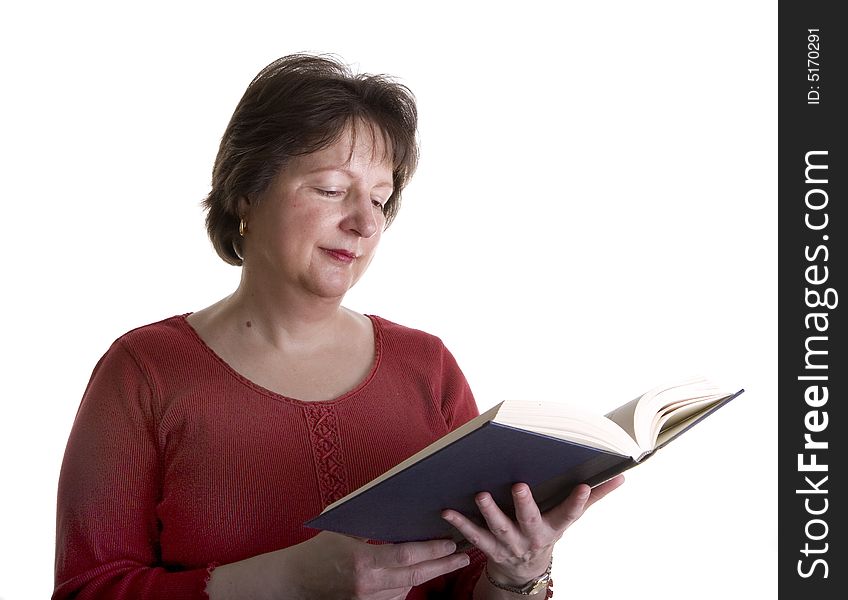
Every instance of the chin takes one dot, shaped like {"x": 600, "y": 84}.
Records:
{"x": 331, "y": 283}
{"x": 335, "y": 289}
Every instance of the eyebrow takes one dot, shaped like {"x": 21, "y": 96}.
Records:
{"x": 350, "y": 174}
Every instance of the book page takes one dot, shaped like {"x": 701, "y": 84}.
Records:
{"x": 623, "y": 416}
{"x": 670, "y": 426}
{"x": 673, "y": 415}
{"x": 568, "y": 423}
{"x": 668, "y": 405}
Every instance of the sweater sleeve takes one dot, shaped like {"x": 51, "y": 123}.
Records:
{"x": 107, "y": 534}
{"x": 458, "y": 404}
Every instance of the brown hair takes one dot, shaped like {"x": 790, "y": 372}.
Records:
{"x": 300, "y": 104}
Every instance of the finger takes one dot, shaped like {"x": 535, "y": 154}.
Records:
{"x": 410, "y": 553}
{"x": 527, "y": 513}
{"x": 580, "y": 499}
{"x": 501, "y": 526}
{"x": 477, "y": 536}
{"x": 602, "y": 490}
{"x": 412, "y": 575}
{"x": 563, "y": 515}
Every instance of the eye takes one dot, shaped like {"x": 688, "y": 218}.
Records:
{"x": 329, "y": 193}
{"x": 383, "y": 205}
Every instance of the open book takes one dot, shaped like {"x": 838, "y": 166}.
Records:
{"x": 550, "y": 446}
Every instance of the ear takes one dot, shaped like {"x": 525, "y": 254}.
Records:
{"x": 243, "y": 206}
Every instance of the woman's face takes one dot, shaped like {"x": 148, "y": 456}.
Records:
{"x": 318, "y": 225}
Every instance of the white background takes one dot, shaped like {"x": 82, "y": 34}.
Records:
{"x": 595, "y": 212}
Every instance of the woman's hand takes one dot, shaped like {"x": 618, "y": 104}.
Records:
{"x": 521, "y": 550}
{"x": 331, "y": 565}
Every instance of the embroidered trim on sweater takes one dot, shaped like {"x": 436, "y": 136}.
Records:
{"x": 327, "y": 451}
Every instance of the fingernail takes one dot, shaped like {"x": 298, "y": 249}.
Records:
{"x": 465, "y": 561}
{"x": 450, "y": 547}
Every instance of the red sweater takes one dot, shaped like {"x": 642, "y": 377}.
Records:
{"x": 176, "y": 462}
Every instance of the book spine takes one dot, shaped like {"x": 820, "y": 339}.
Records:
{"x": 612, "y": 472}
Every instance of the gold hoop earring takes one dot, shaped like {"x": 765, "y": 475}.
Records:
{"x": 242, "y": 227}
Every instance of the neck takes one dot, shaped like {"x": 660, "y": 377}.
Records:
{"x": 282, "y": 317}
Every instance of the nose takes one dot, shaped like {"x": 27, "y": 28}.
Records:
{"x": 361, "y": 215}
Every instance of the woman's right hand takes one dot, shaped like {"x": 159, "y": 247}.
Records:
{"x": 331, "y": 565}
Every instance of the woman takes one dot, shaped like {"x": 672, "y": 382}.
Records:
{"x": 204, "y": 441}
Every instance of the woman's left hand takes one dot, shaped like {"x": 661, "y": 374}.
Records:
{"x": 520, "y": 550}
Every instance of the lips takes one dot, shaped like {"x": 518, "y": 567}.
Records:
{"x": 340, "y": 254}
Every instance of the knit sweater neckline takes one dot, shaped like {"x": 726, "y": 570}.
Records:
{"x": 182, "y": 320}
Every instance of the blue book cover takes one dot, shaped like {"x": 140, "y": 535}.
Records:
{"x": 483, "y": 455}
